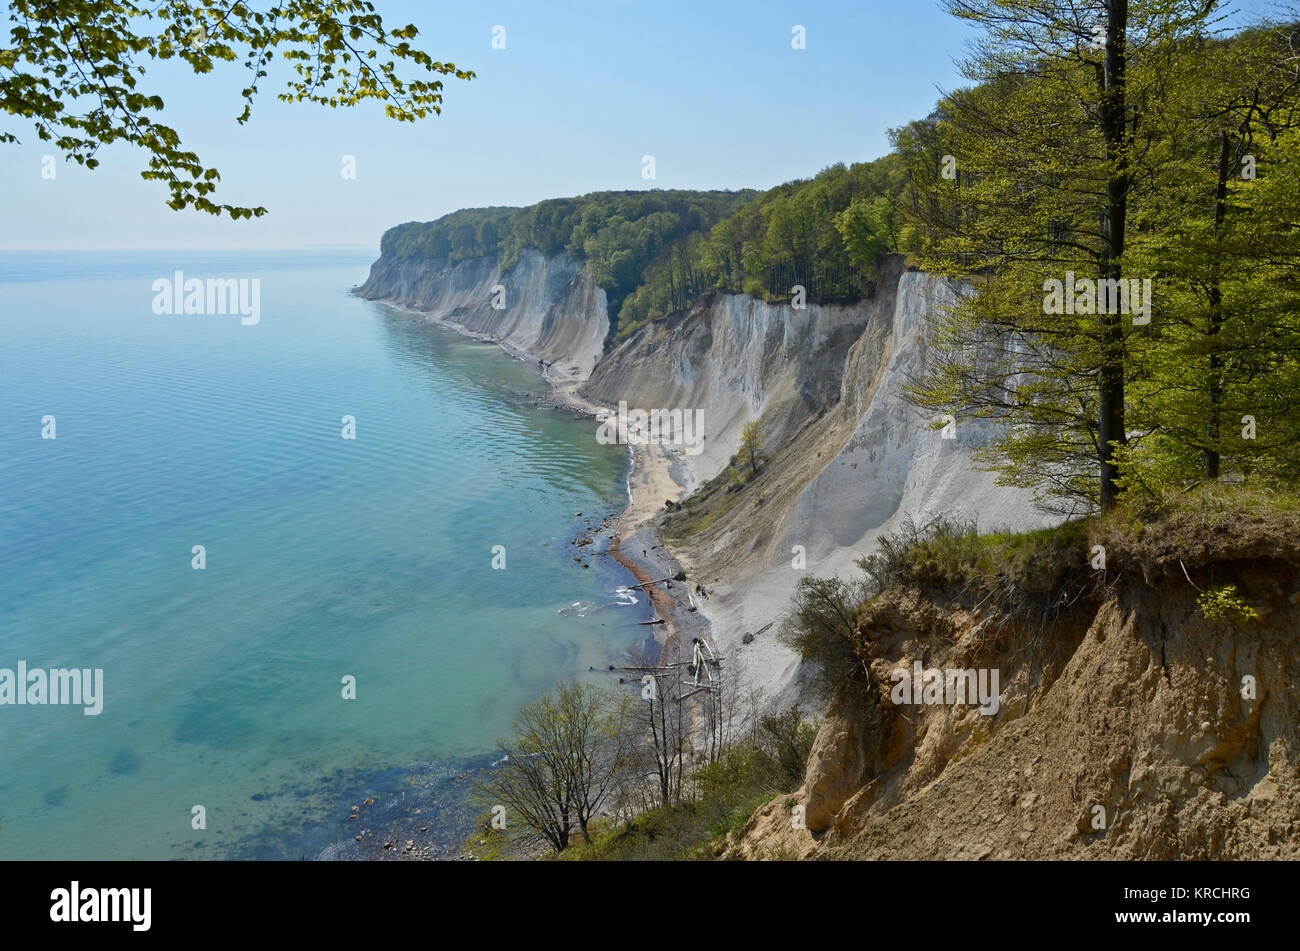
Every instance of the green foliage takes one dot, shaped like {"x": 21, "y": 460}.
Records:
{"x": 921, "y": 553}
{"x": 617, "y": 234}
{"x": 825, "y": 233}
{"x": 821, "y": 628}
{"x": 1004, "y": 570}
{"x": 950, "y": 553}
{"x": 1224, "y": 601}
{"x": 489, "y": 844}
{"x": 74, "y": 69}
{"x": 1221, "y": 233}
{"x": 751, "y": 443}
{"x": 1046, "y": 167}
{"x": 566, "y": 754}
{"x": 787, "y": 742}
{"x": 869, "y": 229}
{"x": 1155, "y": 471}
{"x": 726, "y": 793}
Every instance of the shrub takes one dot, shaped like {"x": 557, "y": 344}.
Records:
{"x": 820, "y": 627}
{"x": 787, "y": 740}
{"x": 1224, "y": 601}
{"x": 916, "y": 551}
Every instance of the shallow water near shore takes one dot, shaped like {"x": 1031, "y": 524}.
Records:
{"x": 325, "y": 558}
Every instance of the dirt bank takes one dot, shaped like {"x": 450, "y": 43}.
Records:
{"x": 1132, "y": 722}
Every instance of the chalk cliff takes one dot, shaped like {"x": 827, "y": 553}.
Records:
{"x": 551, "y": 308}
{"x": 847, "y": 457}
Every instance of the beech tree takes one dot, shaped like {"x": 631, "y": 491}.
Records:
{"x": 76, "y": 71}
{"x": 1225, "y": 348}
{"x": 1222, "y": 390}
{"x": 1043, "y": 162}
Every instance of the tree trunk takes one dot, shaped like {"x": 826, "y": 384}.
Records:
{"x": 1110, "y": 378}
{"x": 1214, "y": 389}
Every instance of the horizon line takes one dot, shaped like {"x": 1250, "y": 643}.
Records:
{"x": 316, "y": 247}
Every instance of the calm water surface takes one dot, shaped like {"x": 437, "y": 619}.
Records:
{"x": 325, "y": 557}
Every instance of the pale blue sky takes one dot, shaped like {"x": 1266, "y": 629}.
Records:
{"x": 711, "y": 88}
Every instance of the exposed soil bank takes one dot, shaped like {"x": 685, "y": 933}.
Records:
{"x": 1129, "y": 724}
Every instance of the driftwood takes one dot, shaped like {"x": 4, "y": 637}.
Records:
{"x": 645, "y": 584}
{"x": 710, "y": 661}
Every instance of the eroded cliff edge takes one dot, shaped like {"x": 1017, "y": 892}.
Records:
{"x": 1132, "y": 722}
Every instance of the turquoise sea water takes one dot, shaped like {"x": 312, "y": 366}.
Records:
{"x": 325, "y": 557}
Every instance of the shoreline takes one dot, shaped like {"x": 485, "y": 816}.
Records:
{"x": 654, "y": 473}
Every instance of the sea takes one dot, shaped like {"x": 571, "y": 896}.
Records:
{"x": 320, "y": 558}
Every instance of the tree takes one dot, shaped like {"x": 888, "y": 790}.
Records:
{"x": 1212, "y": 226}
{"x": 787, "y": 739}
{"x": 1050, "y": 154}
{"x": 564, "y": 762}
{"x": 751, "y": 443}
{"x": 1253, "y": 385}
{"x": 868, "y": 228}
{"x": 75, "y": 70}
{"x": 820, "y": 627}
{"x": 658, "y": 715}
{"x": 732, "y": 711}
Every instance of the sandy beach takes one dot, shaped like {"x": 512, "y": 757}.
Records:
{"x": 656, "y": 474}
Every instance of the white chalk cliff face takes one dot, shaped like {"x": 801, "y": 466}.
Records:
{"x": 553, "y": 309}
{"x": 896, "y": 463}
{"x": 737, "y": 359}
{"x": 847, "y": 457}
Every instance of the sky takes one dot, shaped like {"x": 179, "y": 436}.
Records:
{"x": 712, "y": 89}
